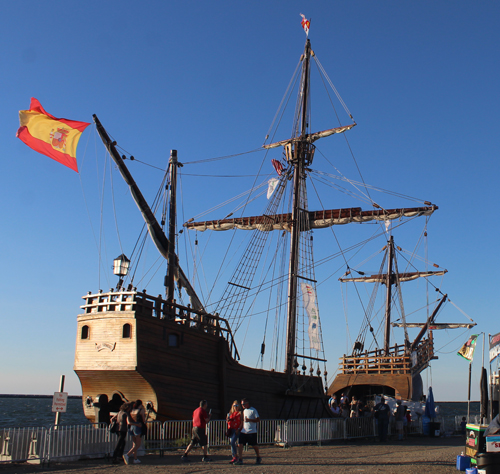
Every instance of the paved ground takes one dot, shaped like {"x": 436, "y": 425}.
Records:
{"x": 412, "y": 456}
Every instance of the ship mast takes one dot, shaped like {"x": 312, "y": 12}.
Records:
{"x": 164, "y": 245}
{"x": 170, "y": 277}
{"x": 389, "y": 282}
{"x": 298, "y": 154}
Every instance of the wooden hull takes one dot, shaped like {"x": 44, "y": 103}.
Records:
{"x": 172, "y": 364}
{"x": 397, "y": 385}
{"x": 396, "y": 373}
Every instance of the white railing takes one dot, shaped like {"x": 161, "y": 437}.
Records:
{"x": 22, "y": 444}
{"x": 67, "y": 442}
{"x": 64, "y": 443}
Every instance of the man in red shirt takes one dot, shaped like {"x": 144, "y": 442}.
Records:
{"x": 198, "y": 436}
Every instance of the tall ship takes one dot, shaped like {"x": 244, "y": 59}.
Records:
{"x": 173, "y": 349}
{"x": 376, "y": 365}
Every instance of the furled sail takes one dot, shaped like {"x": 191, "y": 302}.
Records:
{"x": 311, "y": 137}
{"x": 317, "y": 219}
{"x": 382, "y": 278}
{"x": 434, "y": 326}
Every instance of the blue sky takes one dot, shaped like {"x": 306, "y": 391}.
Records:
{"x": 205, "y": 78}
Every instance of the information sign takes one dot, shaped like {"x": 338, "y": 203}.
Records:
{"x": 59, "y": 402}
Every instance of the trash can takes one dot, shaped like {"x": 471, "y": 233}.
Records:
{"x": 489, "y": 463}
{"x": 434, "y": 429}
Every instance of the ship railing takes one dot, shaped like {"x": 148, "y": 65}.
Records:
{"x": 376, "y": 362}
{"x": 145, "y": 305}
{"x": 397, "y": 361}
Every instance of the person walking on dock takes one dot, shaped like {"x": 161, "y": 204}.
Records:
{"x": 234, "y": 424}
{"x": 121, "y": 419}
{"x": 198, "y": 436}
{"x": 136, "y": 421}
{"x": 248, "y": 433}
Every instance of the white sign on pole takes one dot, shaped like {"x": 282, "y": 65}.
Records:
{"x": 59, "y": 402}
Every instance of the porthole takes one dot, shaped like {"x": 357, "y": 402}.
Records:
{"x": 173, "y": 340}
{"x": 85, "y": 332}
{"x": 126, "y": 331}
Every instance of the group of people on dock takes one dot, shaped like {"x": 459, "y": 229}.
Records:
{"x": 356, "y": 408}
{"x": 132, "y": 419}
{"x": 242, "y": 427}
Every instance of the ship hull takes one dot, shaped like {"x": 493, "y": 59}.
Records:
{"x": 124, "y": 352}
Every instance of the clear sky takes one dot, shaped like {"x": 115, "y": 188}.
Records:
{"x": 205, "y": 78}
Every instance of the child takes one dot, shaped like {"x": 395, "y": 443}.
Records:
{"x": 462, "y": 425}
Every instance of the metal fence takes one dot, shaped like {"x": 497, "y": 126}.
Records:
{"x": 65, "y": 443}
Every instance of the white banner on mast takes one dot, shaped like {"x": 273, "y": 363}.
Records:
{"x": 309, "y": 297}
{"x": 273, "y": 182}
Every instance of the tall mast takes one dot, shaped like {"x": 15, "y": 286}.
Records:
{"x": 389, "y": 282}
{"x": 155, "y": 231}
{"x": 298, "y": 159}
{"x": 172, "y": 260}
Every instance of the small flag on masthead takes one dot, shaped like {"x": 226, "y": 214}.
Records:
{"x": 305, "y": 24}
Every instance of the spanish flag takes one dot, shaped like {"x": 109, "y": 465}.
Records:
{"x": 55, "y": 137}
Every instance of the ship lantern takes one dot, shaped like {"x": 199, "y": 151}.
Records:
{"x": 120, "y": 268}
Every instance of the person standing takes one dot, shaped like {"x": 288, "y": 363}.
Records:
{"x": 400, "y": 414}
{"x": 137, "y": 419}
{"x": 382, "y": 414}
{"x": 198, "y": 436}
{"x": 121, "y": 419}
{"x": 249, "y": 431}
{"x": 234, "y": 424}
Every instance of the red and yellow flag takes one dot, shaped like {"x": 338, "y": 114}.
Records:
{"x": 306, "y": 24}
{"x": 55, "y": 137}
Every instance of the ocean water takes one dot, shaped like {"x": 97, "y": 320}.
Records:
{"x": 24, "y": 411}
{"x": 27, "y": 411}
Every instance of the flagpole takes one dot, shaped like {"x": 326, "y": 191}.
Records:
{"x": 468, "y": 398}
{"x": 490, "y": 402}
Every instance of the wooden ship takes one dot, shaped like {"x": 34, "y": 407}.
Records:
{"x": 134, "y": 345}
{"x": 391, "y": 370}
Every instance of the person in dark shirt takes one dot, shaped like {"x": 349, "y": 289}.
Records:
{"x": 121, "y": 418}
{"x": 382, "y": 414}
{"x": 200, "y": 420}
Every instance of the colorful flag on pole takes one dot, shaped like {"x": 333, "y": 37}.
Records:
{"x": 277, "y": 166}
{"x": 494, "y": 346}
{"x": 467, "y": 350}
{"x": 54, "y": 137}
{"x": 305, "y": 24}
